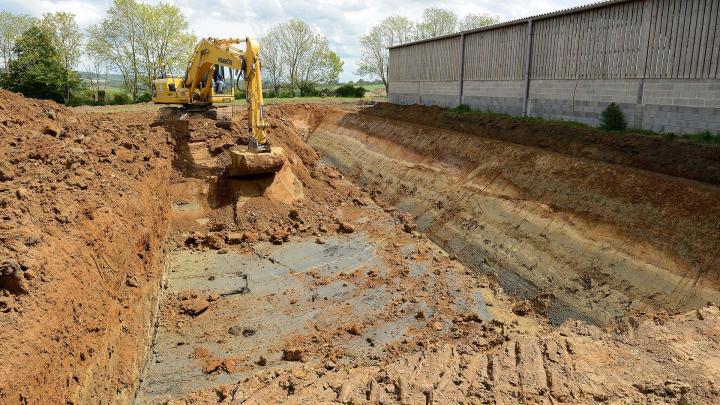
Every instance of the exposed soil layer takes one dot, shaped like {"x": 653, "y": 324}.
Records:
{"x": 605, "y": 239}
{"x": 348, "y": 301}
{"x": 674, "y": 158}
{"x": 85, "y": 205}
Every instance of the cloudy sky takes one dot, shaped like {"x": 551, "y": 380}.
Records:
{"x": 341, "y": 21}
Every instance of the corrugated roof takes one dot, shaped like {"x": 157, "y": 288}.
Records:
{"x": 551, "y": 14}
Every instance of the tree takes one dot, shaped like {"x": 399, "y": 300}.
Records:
{"x": 11, "y": 28}
{"x": 437, "y": 22}
{"x": 66, "y": 38}
{"x": 272, "y": 59}
{"x": 305, "y": 54}
{"x": 138, "y": 39}
{"x": 36, "y": 69}
{"x": 165, "y": 40}
{"x": 391, "y": 31}
{"x": 473, "y": 21}
{"x": 319, "y": 66}
{"x": 96, "y": 70}
{"x": 117, "y": 39}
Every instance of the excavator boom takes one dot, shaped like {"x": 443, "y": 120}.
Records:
{"x": 196, "y": 91}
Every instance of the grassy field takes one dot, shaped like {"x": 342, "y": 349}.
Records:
{"x": 268, "y": 101}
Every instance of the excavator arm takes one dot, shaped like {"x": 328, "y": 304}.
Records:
{"x": 196, "y": 90}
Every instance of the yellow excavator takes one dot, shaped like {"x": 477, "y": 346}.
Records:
{"x": 203, "y": 85}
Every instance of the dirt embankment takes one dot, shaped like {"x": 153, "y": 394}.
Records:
{"x": 604, "y": 238}
{"x": 84, "y": 202}
{"x": 673, "y": 158}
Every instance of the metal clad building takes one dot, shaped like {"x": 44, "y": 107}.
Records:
{"x": 657, "y": 59}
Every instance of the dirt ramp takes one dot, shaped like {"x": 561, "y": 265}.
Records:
{"x": 605, "y": 239}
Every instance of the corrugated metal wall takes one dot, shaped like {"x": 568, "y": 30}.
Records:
{"x": 636, "y": 39}
{"x": 498, "y": 54}
{"x": 429, "y": 61}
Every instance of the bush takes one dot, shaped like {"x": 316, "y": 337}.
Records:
{"x": 308, "y": 90}
{"x": 84, "y": 97}
{"x": 120, "y": 99}
{"x": 144, "y": 98}
{"x": 462, "y": 108}
{"x": 348, "y": 90}
{"x": 613, "y": 119}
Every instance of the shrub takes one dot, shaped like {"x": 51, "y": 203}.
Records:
{"x": 144, "y": 98}
{"x": 308, "y": 90}
{"x": 120, "y": 99}
{"x": 613, "y": 119}
{"x": 348, "y": 90}
{"x": 462, "y": 108}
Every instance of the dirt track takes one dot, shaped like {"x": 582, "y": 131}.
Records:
{"x": 436, "y": 280}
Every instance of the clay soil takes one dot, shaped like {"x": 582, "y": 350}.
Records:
{"x": 93, "y": 205}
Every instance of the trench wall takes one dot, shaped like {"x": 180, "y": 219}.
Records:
{"x": 604, "y": 239}
{"x": 657, "y": 59}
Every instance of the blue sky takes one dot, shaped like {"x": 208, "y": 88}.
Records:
{"x": 341, "y": 21}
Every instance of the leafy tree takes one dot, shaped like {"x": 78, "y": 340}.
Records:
{"x": 473, "y": 21}
{"x": 11, "y": 28}
{"x": 117, "y": 39}
{"x": 437, "y": 22}
{"x": 272, "y": 59}
{"x": 36, "y": 69}
{"x": 165, "y": 40}
{"x": 140, "y": 39}
{"x": 391, "y": 31}
{"x": 305, "y": 54}
{"x": 320, "y": 66}
{"x": 66, "y": 38}
{"x": 96, "y": 69}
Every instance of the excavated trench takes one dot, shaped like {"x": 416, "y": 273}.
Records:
{"x": 576, "y": 235}
{"x": 402, "y": 255}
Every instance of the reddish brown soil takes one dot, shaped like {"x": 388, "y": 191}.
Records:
{"x": 674, "y": 158}
{"x": 84, "y": 211}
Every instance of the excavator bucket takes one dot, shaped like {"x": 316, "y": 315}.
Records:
{"x": 245, "y": 162}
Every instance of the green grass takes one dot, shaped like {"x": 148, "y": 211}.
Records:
{"x": 465, "y": 110}
{"x": 268, "y": 101}
{"x": 703, "y": 138}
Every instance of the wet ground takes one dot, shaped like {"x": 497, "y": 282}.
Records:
{"x": 295, "y": 289}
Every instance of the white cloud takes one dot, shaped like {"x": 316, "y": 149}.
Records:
{"x": 342, "y": 22}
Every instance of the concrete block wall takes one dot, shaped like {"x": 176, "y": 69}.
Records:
{"x": 679, "y": 106}
{"x": 583, "y": 100}
{"x": 504, "y": 96}
{"x": 443, "y": 94}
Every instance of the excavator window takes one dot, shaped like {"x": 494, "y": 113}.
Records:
{"x": 171, "y": 87}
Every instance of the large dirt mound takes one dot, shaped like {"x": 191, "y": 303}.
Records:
{"x": 675, "y": 158}
{"x": 83, "y": 199}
